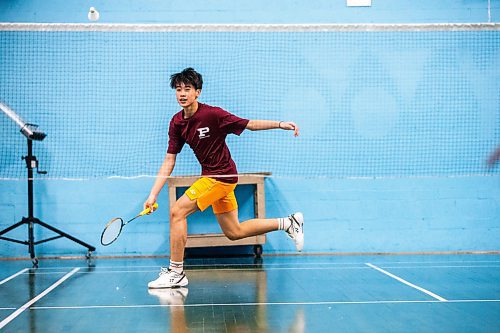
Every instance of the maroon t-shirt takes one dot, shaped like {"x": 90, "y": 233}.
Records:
{"x": 205, "y": 132}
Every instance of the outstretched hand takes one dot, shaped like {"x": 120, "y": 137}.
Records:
{"x": 288, "y": 125}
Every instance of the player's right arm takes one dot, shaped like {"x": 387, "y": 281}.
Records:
{"x": 165, "y": 171}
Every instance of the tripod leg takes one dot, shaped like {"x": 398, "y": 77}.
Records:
{"x": 12, "y": 227}
{"x": 31, "y": 244}
{"x": 62, "y": 233}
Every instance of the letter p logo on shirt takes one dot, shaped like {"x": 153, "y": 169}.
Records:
{"x": 202, "y": 132}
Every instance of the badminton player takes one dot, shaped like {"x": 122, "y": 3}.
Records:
{"x": 204, "y": 128}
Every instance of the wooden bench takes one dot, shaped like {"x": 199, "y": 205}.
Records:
{"x": 211, "y": 240}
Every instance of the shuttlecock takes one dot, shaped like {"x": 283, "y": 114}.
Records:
{"x": 93, "y": 14}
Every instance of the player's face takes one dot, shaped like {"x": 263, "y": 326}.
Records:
{"x": 186, "y": 94}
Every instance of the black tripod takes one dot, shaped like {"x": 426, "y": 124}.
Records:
{"x": 32, "y": 163}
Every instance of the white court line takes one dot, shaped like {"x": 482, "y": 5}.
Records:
{"x": 82, "y": 307}
{"x": 266, "y": 265}
{"x": 444, "y": 266}
{"x": 13, "y": 276}
{"x": 259, "y": 269}
{"x": 265, "y": 269}
{"x": 31, "y": 302}
{"x": 407, "y": 283}
{"x": 440, "y": 262}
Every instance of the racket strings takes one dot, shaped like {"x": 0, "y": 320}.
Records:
{"x": 112, "y": 231}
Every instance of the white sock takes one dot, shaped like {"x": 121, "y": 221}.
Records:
{"x": 284, "y": 223}
{"x": 175, "y": 266}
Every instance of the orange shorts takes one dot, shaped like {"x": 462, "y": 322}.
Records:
{"x": 210, "y": 192}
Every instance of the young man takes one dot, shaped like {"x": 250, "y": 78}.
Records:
{"x": 204, "y": 128}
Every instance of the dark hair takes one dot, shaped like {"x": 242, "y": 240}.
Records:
{"x": 187, "y": 76}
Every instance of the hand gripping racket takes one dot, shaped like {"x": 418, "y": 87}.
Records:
{"x": 114, "y": 227}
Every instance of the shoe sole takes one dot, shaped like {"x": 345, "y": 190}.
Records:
{"x": 299, "y": 241}
{"x": 177, "y": 285}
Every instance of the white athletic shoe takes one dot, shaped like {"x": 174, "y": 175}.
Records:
{"x": 170, "y": 296}
{"x": 169, "y": 279}
{"x": 296, "y": 230}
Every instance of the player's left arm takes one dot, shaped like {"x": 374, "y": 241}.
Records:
{"x": 258, "y": 125}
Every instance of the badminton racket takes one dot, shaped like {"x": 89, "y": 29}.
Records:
{"x": 114, "y": 228}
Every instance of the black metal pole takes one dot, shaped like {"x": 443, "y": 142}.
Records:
{"x": 29, "y": 164}
{"x": 31, "y": 236}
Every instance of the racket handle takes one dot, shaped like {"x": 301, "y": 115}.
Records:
{"x": 147, "y": 210}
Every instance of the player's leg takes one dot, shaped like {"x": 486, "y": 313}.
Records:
{"x": 178, "y": 226}
{"x": 226, "y": 211}
{"x": 198, "y": 196}
{"x": 233, "y": 229}
{"x": 174, "y": 276}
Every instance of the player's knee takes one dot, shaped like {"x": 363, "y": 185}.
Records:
{"x": 233, "y": 234}
{"x": 176, "y": 214}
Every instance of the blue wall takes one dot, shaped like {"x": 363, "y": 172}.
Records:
{"x": 456, "y": 210}
{"x": 342, "y": 215}
{"x": 257, "y": 11}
